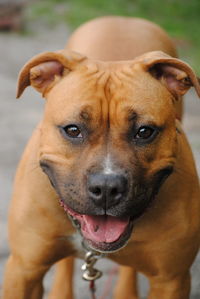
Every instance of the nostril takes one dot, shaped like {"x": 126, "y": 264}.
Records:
{"x": 114, "y": 192}
{"x": 95, "y": 191}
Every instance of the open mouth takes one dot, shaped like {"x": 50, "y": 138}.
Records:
{"x": 101, "y": 233}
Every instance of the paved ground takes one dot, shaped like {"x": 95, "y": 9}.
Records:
{"x": 18, "y": 118}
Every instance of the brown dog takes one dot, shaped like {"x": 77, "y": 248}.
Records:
{"x": 111, "y": 150}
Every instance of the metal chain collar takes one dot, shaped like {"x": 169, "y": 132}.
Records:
{"x": 89, "y": 272}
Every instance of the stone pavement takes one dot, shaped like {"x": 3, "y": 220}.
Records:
{"x": 19, "y": 117}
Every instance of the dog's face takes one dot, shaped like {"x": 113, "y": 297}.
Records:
{"x": 108, "y": 142}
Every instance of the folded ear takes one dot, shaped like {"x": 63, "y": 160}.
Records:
{"x": 45, "y": 69}
{"x": 175, "y": 74}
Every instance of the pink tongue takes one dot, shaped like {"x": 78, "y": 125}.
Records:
{"x": 103, "y": 228}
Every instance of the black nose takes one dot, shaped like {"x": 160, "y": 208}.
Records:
{"x": 106, "y": 190}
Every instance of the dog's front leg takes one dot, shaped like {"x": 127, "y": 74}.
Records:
{"x": 177, "y": 288}
{"x": 62, "y": 285}
{"x": 23, "y": 280}
{"x": 126, "y": 287}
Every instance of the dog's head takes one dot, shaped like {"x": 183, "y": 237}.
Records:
{"x": 108, "y": 137}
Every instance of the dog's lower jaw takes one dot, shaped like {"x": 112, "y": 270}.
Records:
{"x": 101, "y": 233}
{"x": 104, "y": 247}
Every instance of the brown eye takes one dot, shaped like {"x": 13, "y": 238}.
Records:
{"x": 73, "y": 131}
{"x": 144, "y": 133}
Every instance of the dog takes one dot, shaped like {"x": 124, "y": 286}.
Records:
{"x": 109, "y": 153}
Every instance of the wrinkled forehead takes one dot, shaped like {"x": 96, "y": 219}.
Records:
{"x": 102, "y": 92}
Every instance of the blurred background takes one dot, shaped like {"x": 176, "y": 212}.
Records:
{"x": 28, "y": 27}
{"x": 179, "y": 17}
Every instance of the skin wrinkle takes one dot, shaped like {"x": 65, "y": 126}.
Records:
{"x": 116, "y": 80}
{"x": 54, "y": 157}
{"x": 98, "y": 85}
{"x": 125, "y": 75}
{"x": 107, "y": 81}
{"x": 114, "y": 101}
{"x": 104, "y": 80}
{"x": 128, "y": 72}
{"x": 107, "y": 95}
{"x": 104, "y": 100}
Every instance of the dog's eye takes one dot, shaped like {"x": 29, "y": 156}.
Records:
{"x": 144, "y": 132}
{"x": 73, "y": 131}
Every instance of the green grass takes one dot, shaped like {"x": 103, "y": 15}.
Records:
{"x": 181, "y": 18}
